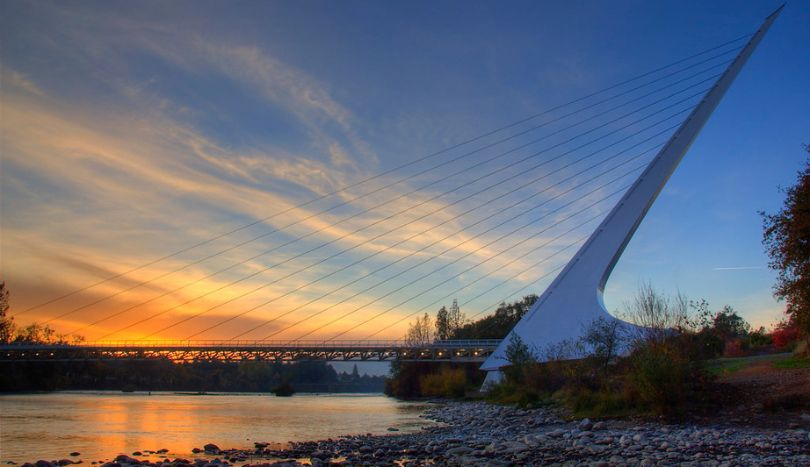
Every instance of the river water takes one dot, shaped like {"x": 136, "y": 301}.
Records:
{"x": 101, "y": 425}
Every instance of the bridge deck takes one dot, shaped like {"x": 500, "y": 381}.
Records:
{"x": 234, "y": 351}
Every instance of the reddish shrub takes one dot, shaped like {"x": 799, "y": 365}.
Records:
{"x": 785, "y": 334}
{"x": 733, "y": 348}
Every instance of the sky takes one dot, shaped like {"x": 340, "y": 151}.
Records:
{"x": 227, "y": 132}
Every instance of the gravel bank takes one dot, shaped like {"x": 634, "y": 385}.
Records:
{"x": 476, "y": 433}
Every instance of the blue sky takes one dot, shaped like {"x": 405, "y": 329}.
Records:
{"x": 130, "y": 130}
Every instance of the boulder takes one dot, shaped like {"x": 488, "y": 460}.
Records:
{"x": 320, "y": 454}
{"x": 124, "y": 459}
{"x": 585, "y": 424}
{"x": 459, "y": 451}
{"x": 211, "y": 448}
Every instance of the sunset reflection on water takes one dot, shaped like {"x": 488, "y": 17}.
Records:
{"x": 102, "y": 425}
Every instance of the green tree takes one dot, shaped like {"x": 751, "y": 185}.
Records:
{"x": 786, "y": 237}
{"x": 442, "y": 324}
{"x": 729, "y": 325}
{"x": 519, "y": 355}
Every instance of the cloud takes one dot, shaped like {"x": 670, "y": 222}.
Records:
{"x": 15, "y": 79}
{"x": 101, "y": 184}
{"x": 737, "y": 268}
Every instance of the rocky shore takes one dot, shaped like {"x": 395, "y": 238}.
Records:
{"x": 476, "y": 433}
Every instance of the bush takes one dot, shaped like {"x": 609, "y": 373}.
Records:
{"x": 785, "y": 335}
{"x": 660, "y": 376}
{"x": 519, "y": 357}
{"x": 757, "y": 339}
{"x": 448, "y": 382}
{"x": 409, "y": 379}
{"x": 733, "y": 348}
{"x": 549, "y": 377}
{"x": 602, "y": 402}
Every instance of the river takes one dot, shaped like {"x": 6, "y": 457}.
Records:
{"x": 101, "y": 425}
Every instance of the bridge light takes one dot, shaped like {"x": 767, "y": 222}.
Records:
{"x": 440, "y": 354}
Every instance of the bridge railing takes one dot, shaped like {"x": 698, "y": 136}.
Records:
{"x": 266, "y": 344}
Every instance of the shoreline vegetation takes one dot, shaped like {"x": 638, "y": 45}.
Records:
{"x": 671, "y": 366}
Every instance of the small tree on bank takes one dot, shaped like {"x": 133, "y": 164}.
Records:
{"x": 518, "y": 355}
{"x": 604, "y": 338}
{"x": 656, "y": 314}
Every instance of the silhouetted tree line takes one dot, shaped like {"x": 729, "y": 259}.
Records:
{"x": 164, "y": 375}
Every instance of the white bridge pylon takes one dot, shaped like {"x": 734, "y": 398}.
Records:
{"x": 574, "y": 299}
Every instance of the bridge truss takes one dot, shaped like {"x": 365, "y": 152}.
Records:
{"x": 238, "y": 351}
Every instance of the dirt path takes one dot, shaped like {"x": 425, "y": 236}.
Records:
{"x": 764, "y": 395}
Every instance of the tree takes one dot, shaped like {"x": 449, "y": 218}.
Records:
{"x": 442, "y": 324}
{"x": 786, "y": 237}
{"x": 498, "y": 324}
{"x": 455, "y": 318}
{"x": 6, "y": 322}
{"x": 729, "y": 325}
{"x": 420, "y": 332}
{"x": 656, "y": 314}
{"x": 604, "y": 338}
{"x": 518, "y": 355}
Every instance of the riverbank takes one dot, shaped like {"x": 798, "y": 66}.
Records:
{"x": 477, "y": 433}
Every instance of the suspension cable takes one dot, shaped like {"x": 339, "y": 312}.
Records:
{"x": 379, "y": 175}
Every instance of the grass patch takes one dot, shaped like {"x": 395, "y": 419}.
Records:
{"x": 792, "y": 363}
{"x": 728, "y": 366}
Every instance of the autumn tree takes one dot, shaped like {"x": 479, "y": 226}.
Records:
{"x": 420, "y": 331}
{"x": 456, "y": 319}
{"x": 6, "y": 322}
{"x": 786, "y": 238}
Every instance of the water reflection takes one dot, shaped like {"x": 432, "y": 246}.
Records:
{"x": 101, "y": 425}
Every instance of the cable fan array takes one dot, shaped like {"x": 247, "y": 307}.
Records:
{"x": 483, "y": 220}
